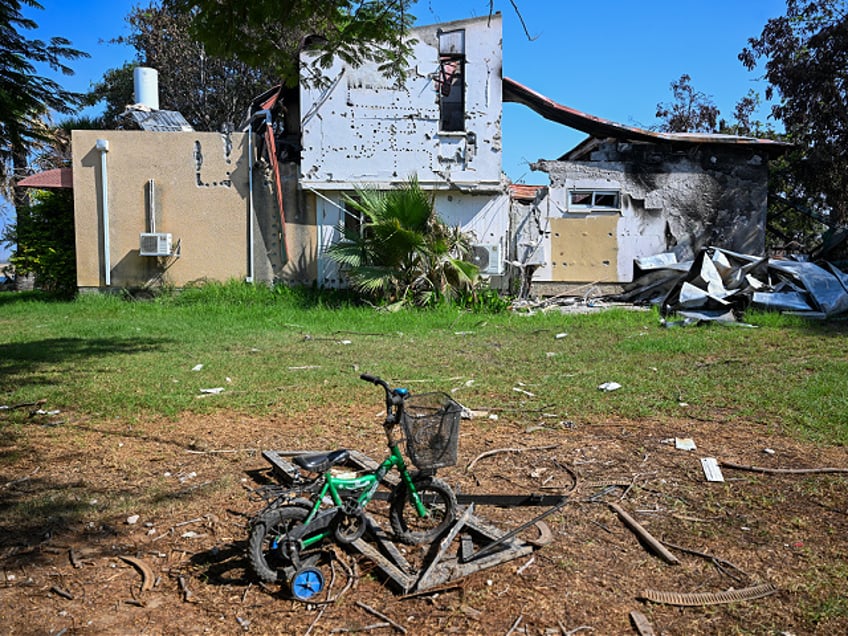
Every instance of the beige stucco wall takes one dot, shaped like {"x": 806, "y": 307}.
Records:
{"x": 201, "y": 198}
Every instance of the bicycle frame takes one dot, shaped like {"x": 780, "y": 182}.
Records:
{"x": 334, "y": 487}
{"x": 320, "y": 521}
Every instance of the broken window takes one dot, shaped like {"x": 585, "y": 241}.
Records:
{"x": 450, "y": 81}
{"x": 589, "y": 200}
{"x": 354, "y": 220}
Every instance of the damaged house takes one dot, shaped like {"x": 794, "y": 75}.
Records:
{"x": 168, "y": 205}
{"x": 625, "y": 194}
{"x": 264, "y": 205}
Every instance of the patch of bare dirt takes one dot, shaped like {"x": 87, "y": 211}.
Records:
{"x": 79, "y": 496}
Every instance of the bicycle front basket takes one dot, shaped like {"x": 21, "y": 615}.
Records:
{"x": 431, "y": 427}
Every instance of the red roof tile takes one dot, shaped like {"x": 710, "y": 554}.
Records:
{"x": 49, "y": 179}
{"x": 523, "y": 192}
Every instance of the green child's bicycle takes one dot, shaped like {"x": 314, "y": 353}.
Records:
{"x": 325, "y": 504}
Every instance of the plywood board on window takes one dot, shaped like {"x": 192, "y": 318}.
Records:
{"x": 584, "y": 249}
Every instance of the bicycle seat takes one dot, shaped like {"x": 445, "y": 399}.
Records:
{"x": 322, "y": 462}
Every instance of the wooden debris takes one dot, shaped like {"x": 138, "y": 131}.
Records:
{"x": 381, "y": 616}
{"x": 716, "y": 561}
{"x": 73, "y": 559}
{"x": 366, "y": 628}
{"x": 641, "y": 624}
{"x": 656, "y": 547}
{"x": 144, "y": 569}
{"x": 61, "y": 592}
{"x": 317, "y": 618}
{"x": 184, "y": 589}
{"x": 515, "y": 625}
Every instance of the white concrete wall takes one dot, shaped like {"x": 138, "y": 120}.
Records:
{"x": 363, "y": 129}
{"x": 483, "y": 217}
{"x": 671, "y": 201}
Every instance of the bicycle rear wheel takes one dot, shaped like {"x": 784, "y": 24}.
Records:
{"x": 438, "y": 499}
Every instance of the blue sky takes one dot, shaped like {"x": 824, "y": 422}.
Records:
{"x": 611, "y": 58}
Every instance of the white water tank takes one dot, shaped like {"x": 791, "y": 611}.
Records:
{"x": 146, "y": 84}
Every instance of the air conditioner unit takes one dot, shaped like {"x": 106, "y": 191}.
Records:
{"x": 488, "y": 259}
{"x": 154, "y": 244}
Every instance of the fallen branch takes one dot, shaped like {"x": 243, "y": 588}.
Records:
{"x": 366, "y": 628}
{"x": 497, "y": 451}
{"x": 656, "y": 547}
{"x": 63, "y": 593}
{"x": 515, "y": 624}
{"x": 381, "y": 616}
{"x": 22, "y": 479}
{"x": 782, "y": 471}
{"x": 317, "y": 618}
{"x": 718, "y": 562}
{"x": 190, "y": 521}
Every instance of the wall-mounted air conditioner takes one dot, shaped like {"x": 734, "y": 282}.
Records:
{"x": 155, "y": 244}
{"x": 488, "y": 259}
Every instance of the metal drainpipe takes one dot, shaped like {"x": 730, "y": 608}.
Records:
{"x": 249, "y": 129}
{"x": 102, "y": 146}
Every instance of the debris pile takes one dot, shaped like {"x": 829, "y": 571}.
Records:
{"x": 718, "y": 285}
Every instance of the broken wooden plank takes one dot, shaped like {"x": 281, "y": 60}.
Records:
{"x": 444, "y": 544}
{"x": 655, "y": 546}
{"x": 403, "y": 580}
{"x": 387, "y": 545}
{"x": 641, "y": 624}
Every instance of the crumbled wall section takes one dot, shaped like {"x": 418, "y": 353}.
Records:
{"x": 672, "y": 200}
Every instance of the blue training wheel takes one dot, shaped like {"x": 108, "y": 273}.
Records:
{"x": 306, "y": 583}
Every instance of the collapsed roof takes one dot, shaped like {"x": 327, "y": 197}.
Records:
{"x": 604, "y": 129}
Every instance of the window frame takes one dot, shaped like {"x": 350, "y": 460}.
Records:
{"x": 594, "y": 204}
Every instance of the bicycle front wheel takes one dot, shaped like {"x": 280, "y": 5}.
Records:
{"x": 269, "y": 548}
{"x": 438, "y": 499}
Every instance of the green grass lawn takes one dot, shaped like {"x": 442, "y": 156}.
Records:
{"x": 288, "y": 351}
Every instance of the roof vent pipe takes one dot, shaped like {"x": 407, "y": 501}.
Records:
{"x": 146, "y": 86}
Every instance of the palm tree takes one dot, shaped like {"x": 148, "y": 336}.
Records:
{"x": 403, "y": 251}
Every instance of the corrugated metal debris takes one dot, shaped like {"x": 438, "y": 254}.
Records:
{"x": 154, "y": 120}
{"x": 718, "y": 285}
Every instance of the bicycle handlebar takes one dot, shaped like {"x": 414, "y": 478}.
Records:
{"x": 394, "y": 397}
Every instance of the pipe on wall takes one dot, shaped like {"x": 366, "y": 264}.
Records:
{"x": 102, "y": 146}
{"x": 251, "y": 211}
